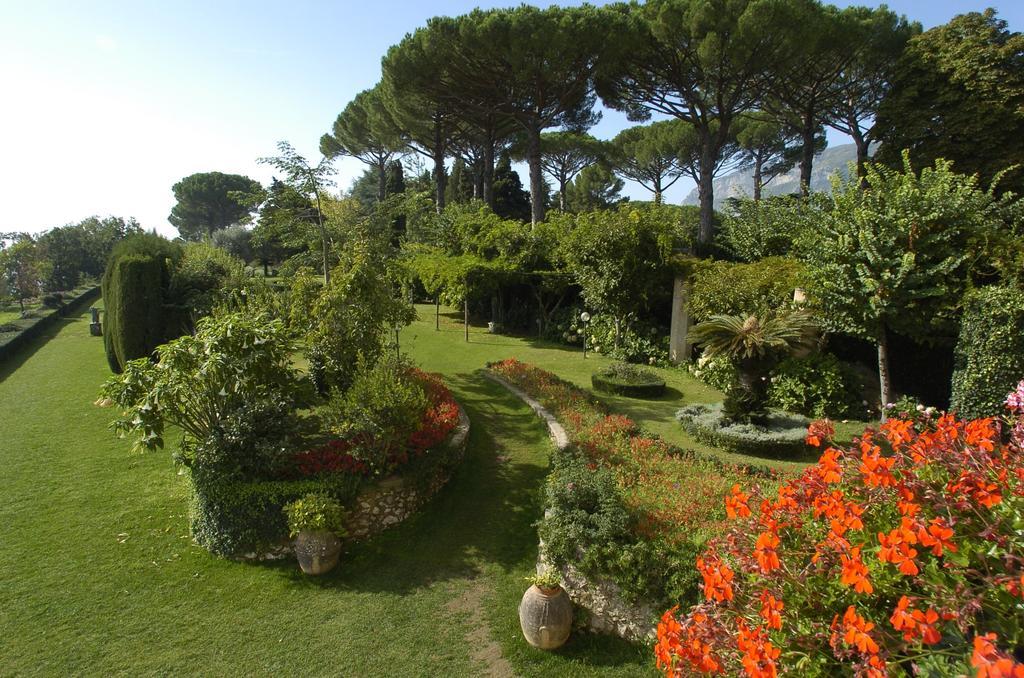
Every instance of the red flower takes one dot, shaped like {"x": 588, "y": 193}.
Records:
{"x": 990, "y": 662}
{"x": 764, "y": 551}
{"x": 855, "y": 572}
{"x": 736, "y": 504}
{"x": 771, "y": 610}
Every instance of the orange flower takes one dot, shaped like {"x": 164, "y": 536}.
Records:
{"x": 855, "y": 572}
{"x": 764, "y": 551}
{"x": 736, "y": 504}
{"x": 937, "y": 537}
{"x": 896, "y": 548}
{"x": 759, "y": 654}
{"x": 915, "y": 623}
{"x": 828, "y": 469}
{"x": 990, "y": 662}
{"x": 717, "y": 579}
{"x": 819, "y": 431}
{"x": 771, "y": 610}
{"x": 898, "y": 431}
{"x": 855, "y": 632}
{"x": 877, "y": 469}
{"x": 981, "y": 433}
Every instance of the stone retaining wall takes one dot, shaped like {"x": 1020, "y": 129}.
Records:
{"x": 606, "y": 610}
{"x": 390, "y": 501}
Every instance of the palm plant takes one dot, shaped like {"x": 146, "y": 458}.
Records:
{"x": 754, "y": 345}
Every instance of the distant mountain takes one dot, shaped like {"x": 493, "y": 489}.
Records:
{"x": 830, "y": 161}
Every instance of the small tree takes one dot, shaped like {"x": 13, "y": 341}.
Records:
{"x": 310, "y": 181}
{"x": 24, "y": 269}
{"x": 754, "y": 345}
{"x": 897, "y": 256}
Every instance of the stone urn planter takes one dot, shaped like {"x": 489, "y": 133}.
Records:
{"x": 545, "y": 615}
{"x": 317, "y": 551}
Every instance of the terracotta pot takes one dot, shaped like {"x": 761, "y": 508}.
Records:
{"x": 317, "y": 551}
{"x": 546, "y": 617}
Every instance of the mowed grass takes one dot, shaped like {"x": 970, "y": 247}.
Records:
{"x": 100, "y": 577}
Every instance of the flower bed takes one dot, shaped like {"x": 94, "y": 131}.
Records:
{"x": 782, "y": 436}
{"x": 624, "y": 506}
{"x": 901, "y": 553}
{"x": 237, "y": 518}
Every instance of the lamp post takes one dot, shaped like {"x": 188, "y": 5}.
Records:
{"x": 585, "y": 317}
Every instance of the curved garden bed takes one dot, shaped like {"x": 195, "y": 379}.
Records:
{"x": 246, "y": 519}
{"x": 783, "y": 434}
{"x": 617, "y": 525}
{"x": 628, "y": 380}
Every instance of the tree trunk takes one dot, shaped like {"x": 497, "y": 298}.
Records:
{"x": 758, "y": 181}
{"x": 437, "y": 313}
{"x": 706, "y": 191}
{"x": 488, "y": 171}
{"x": 536, "y": 179}
{"x": 266, "y": 268}
{"x": 440, "y": 180}
{"x": 465, "y": 316}
{"x": 324, "y": 240}
{"x": 884, "y": 378}
{"x": 862, "y": 154}
{"x": 657, "y": 190}
{"x": 807, "y": 155}
{"x": 382, "y": 181}
{"x": 562, "y": 183}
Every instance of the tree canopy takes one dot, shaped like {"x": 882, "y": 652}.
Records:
{"x": 210, "y": 201}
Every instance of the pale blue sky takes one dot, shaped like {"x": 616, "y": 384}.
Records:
{"x": 107, "y": 104}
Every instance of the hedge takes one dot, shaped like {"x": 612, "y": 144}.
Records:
{"x": 607, "y": 384}
{"x": 783, "y": 437}
{"x": 989, "y": 356}
{"x": 30, "y": 329}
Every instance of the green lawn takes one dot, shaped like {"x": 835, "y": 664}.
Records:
{"x": 99, "y": 575}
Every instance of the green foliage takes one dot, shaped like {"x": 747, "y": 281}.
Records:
{"x": 209, "y": 201}
{"x": 620, "y": 258}
{"x": 223, "y": 384}
{"x": 778, "y": 435}
{"x": 236, "y": 240}
{"x": 753, "y": 230}
{"x": 134, "y": 301}
{"x": 353, "y": 316}
{"x": 24, "y": 268}
{"x": 315, "y": 512}
{"x": 381, "y": 409}
{"x": 596, "y": 187}
{"x": 638, "y": 341}
{"x": 650, "y": 154}
{"x": 990, "y": 352}
{"x": 232, "y": 518}
{"x": 204, "y": 276}
{"x": 549, "y": 579}
{"x": 817, "y": 386}
{"x": 723, "y": 288}
{"x": 956, "y": 94}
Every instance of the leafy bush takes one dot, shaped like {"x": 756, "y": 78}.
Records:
{"x": 379, "y": 413}
{"x": 53, "y": 300}
{"x": 638, "y": 341}
{"x": 901, "y": 552}
{"x": 203, "y": 276}
{"x": 818, "y": 385}
{"x": 717, "y": 372}
{"x": 315, "y": 512}
{"x": 628, "y": 380}
{"x": 134, "y": 296}
{"x": 780, "y": 435}
{"x": 768, "y": 228}
{"x": 990, "y": 351}
{"x": 762, "y": 287}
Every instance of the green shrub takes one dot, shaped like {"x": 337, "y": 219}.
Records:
{"x": 628, "y": 380}
{"x": 819, "y": 385}
{"x": 768, "y": 228}
{"x": 203, "y": 277}
{"x": 233, "y": 518}
{"x": 315, "y": 512}
{"x": 638, "y": 342}
{"x": 989, "y": 357}
{"x": 760, "y": 288}
{"x": 53, "y": 300}
{"x": 134, "y": 301}
{"x": 717, "y": 372}
{"x": 134, "y": 294}
{"x": 782, "y": 434}
{"x": 381, "y": 410}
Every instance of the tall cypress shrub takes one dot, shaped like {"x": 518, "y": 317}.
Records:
{"x": 989, "y": 358}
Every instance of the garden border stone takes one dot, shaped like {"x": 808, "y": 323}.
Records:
{"x": 607, "y": 611}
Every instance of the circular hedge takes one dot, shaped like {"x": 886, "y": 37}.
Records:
{"x": 628, "y": 380}
{"x": 783, "y": 435}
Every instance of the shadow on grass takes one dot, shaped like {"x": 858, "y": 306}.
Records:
{"x": 9, "y": 365}
{"x": 484, "y": 515}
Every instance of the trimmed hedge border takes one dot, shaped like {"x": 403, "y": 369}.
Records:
{"x": 704, "y": 423}
{"x": 604, "y": 384}
{"x": 9, "y": 345}
{"x": 246, "y": 520}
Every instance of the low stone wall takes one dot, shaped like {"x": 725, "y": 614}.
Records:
{"x": 392, "y": 500}
{"x": 606, "y": 610}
